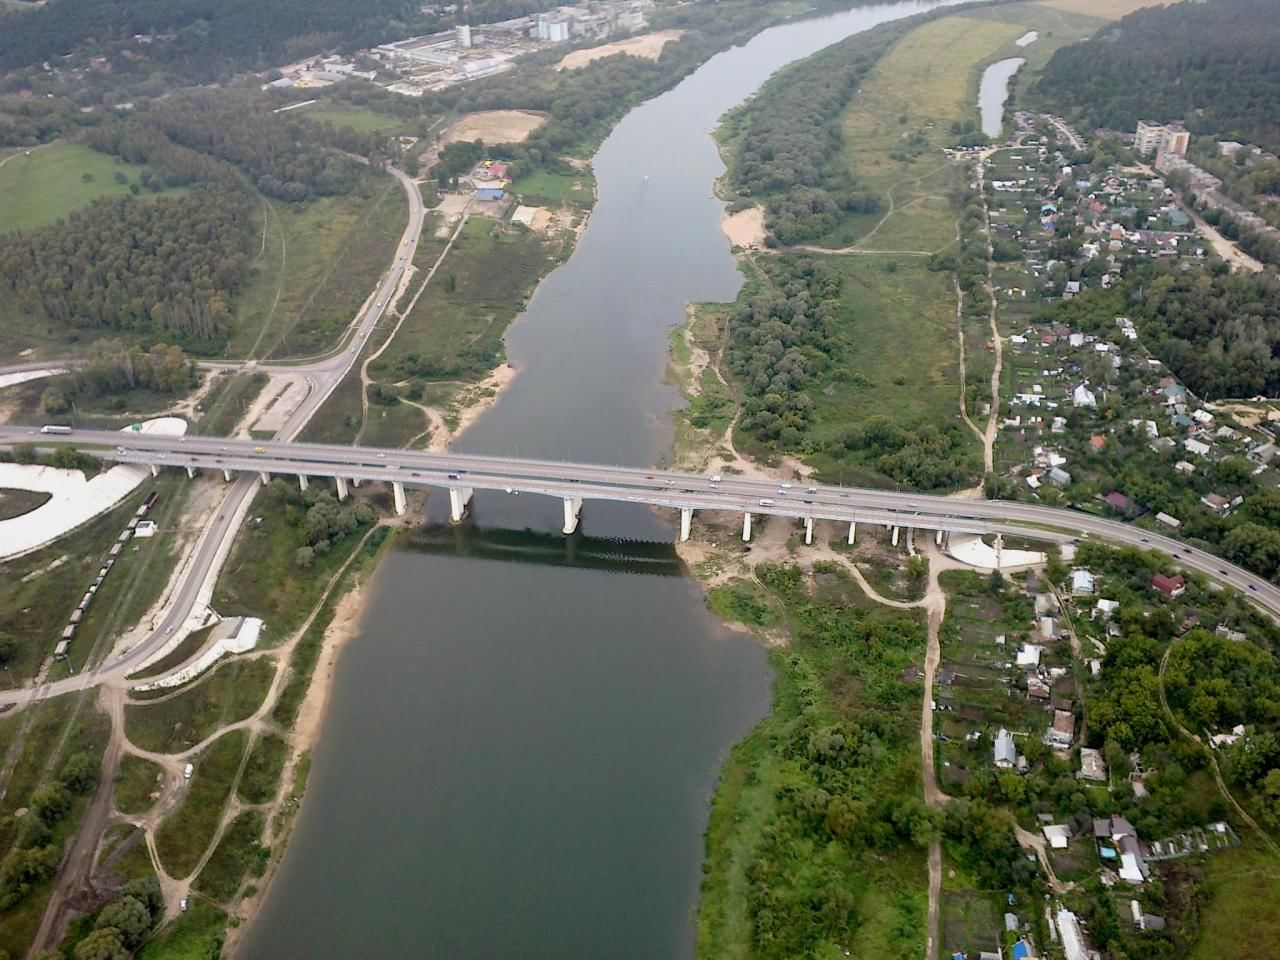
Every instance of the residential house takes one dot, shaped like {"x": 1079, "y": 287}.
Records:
{"x": 1058, "y": 835}
{"x": 1063, "y": 732}
{"x": 1172, "y": 587}
{"x": 1105, "y": 609}
{"x": 1004, "y": 751}
{"x": 1092, "y": 766}
{"x": 1081, "y": 583}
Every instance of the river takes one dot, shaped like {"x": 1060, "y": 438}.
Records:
{"x": 993, "y": 91}
{"x": 522, "y": 741}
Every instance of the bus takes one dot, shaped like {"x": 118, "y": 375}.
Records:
{"x": 55, "y": 428}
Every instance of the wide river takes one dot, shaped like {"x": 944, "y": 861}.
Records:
{"x": 522, "y": 742}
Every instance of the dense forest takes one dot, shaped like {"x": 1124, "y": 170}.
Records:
{"x": 203, "y": 39}
{"x": 789, "y": 139}
{"x": 1214, "y": 65}
{"x": 1218, "y": 331}
{"x": 168, "y": 266}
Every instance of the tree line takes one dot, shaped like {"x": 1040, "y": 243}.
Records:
{"x": 164, "y": 267}
{"x": 287, "y": 159}
{"x": 1212, "y": 65}
{"x": 202, "y": 40}
{"x": 789, "y": 144}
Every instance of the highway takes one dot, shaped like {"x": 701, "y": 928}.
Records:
{"x": 675, "y": 490}
{"x": 323, "y": 375}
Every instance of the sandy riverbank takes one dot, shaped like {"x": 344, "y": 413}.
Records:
{"x": 745, "y": 228}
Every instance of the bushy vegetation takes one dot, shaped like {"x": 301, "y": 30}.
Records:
{"x": 1212, "y": 65}
{"x": 37, "y": 850}
{"x": 116, "y": 368}
{"x": 789, "y": 339}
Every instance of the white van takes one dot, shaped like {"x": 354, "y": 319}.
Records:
{"x": 188, "y": 770}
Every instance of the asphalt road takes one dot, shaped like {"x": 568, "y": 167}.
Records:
{"x": 655, "y": 487}
{"x": 323, "y": 376}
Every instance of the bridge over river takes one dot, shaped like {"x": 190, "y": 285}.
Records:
{"x": 576, "y": 484}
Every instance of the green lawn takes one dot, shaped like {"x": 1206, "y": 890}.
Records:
{"x": 545, "y": 188}
{"x": 185, "y": 833}
{"x": 49, "y": 183}
{"x": 230, "y": 693}
{"x": 357, "y": 118}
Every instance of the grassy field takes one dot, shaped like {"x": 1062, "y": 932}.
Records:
{"x": 50, "y": 183}
{"x": 262, "y": 771}
{"x": 901, "y": 331}
{"x": 318, "y": 262}
{"x": 1238, "y": 883}
{"x": 184, "y": 835}
{"x": 456, "y": 330}
{"x": 136, "y": 784}
{"x": 237, "y": 852}
{"x": 895, "y": 128}
{"x": 1107, "y": 9}
{"x": 357, "y": 118}
{"x": 230, "y": 693}
{"x": 179, "y": 654}
{"x": 552, "y": 189}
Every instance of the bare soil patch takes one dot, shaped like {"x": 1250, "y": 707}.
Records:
{"x": 494, "y": 126}
{"x": 744, "y": 228}
{"x": 649, "y": 47}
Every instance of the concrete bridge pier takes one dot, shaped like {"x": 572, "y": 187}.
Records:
{"x": 808, "y": 530}
{"x": 853, "y": 530}
{"x": 459, "y": 499}
{"x": 302, "y": 481}
{"x": 746, "y": 527}
{"x": 342, "y": 488}
{"x": 937, "y": 538}
{"x": 191, "y": 473}
{"x": 264, "y": 477}
{"x": 355, "y": 483}
{"x": 155, "y": 471}
{"x": 572, "y": 507}
{"x": 895, "y": 536}
{"x": 686, "y": 521}
{"x": 226, "y": 474}
{"x": 397, "y": 490}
